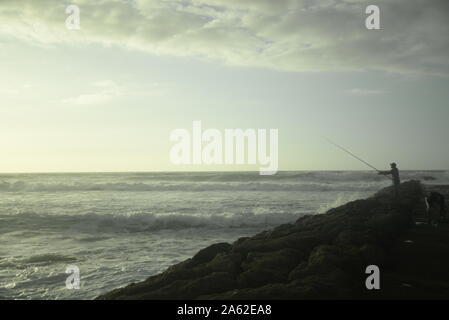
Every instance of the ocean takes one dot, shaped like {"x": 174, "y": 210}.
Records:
{"x": 119, "y": 228}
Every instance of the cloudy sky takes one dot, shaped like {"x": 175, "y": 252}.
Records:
{"x": 107, "y": 96}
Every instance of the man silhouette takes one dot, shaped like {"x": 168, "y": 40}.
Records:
{"x": 395, "y": 176}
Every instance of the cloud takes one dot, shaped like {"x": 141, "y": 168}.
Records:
{"x": 89, "y": 99}
{"x": 106, "y": 91}
{"x": 292, "y": 35}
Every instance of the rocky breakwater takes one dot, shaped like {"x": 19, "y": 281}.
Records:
{"x": 321, "y": 256}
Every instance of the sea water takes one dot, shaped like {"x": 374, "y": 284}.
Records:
{"x": 119, "y": 228}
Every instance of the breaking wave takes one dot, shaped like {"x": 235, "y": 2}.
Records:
{"x": 144, "y": 222}
{"x": 48, "y": 258}
{"x": 197, "y": 182}
{"x": 21, "y": 186}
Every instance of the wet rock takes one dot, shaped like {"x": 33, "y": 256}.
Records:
{"x": 207, "y": 254}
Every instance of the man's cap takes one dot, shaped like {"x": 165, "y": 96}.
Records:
{"x": 393, "y": 164}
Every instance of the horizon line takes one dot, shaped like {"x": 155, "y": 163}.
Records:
{"x": 202, "y": 171}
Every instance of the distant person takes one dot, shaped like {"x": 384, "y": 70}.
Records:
{"x": 436, "y": 208}
{"x": 396, "y": 180}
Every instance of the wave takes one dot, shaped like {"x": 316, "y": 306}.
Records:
{"x": 141, "y": 222}
{"x": 43, "y": 259}
{"x": 220, "y": 181}
{"x": 21, "y": 186}
{"x": 294, "y": 176}
{"x": 48, "y": 258}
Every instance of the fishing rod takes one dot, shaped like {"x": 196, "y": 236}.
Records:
{"x": 353, "y": 155}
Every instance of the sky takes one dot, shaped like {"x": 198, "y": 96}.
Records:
{"x": 106, "y": 97}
